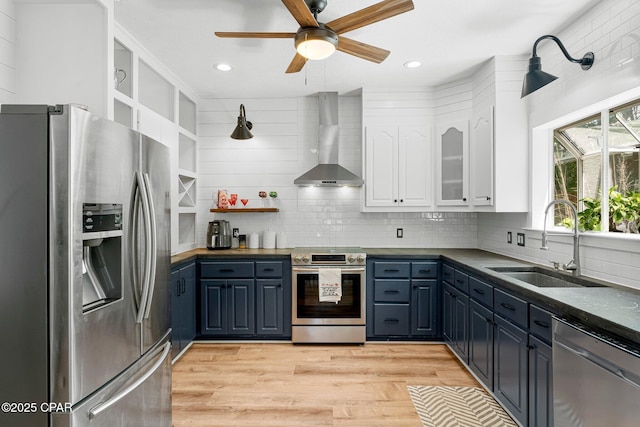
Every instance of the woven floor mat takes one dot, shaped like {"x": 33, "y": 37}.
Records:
{"x": 458, "y": 407}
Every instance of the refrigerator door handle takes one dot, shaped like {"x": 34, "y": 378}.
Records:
{"x": 154, "y": 246}
{"x": 103, "y": 406}
{"x": 140, "y": 189}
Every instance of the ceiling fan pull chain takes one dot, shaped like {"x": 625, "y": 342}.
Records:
{"x": 305, "y": 59}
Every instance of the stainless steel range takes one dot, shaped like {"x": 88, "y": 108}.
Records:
{"x": 328, "y": 295}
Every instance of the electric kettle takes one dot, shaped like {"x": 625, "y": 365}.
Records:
{"x": 219, "y": 235}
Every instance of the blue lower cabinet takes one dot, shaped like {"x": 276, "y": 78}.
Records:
{"x": 455, "y": 306}
{"x": 269, "y": 306}
{"x": 510, "y": 381}
{"x": 228, "y": 307}
{"x": 481, "y": 343}
{"x": 245, "y": 299}
{"x": 425, "y": 310}
{"x": 540, "y": 383}
{"x": 183, "y": 307}
{"x": 403, "y": 299}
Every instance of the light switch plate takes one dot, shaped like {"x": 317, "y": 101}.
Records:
{"x": 520, "y": 239}
{"x": 509, "y": 237}
{"x": 399, "y": 233}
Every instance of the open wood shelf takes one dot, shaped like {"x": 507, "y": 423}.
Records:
{"x": 238, "y": 210}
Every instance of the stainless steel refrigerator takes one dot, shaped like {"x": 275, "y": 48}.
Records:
{"x": 85, "y": 264}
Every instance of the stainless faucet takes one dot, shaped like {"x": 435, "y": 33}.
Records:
{"x": 574, "y": 264}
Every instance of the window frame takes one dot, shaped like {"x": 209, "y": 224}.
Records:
{"x": 606, "y": 181}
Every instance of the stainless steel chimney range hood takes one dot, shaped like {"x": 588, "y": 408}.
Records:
{"x": 328, "y": 173}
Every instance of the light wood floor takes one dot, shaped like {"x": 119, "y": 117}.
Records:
{"x": 275, "y": 384}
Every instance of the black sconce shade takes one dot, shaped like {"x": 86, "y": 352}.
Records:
{"x": 536, "y": 78}
{"x": 242, "y": 130}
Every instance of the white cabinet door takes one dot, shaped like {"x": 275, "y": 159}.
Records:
{"x": 452, "y": 161}
{"x": 482, "y": 158}
{"x": 415, "y": 166}
{"x": 381, "y": 166}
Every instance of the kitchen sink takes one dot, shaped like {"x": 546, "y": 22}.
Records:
{"x": 545, "y": 278}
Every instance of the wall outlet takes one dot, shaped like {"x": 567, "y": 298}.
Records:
{"x": 520, "y": 238}
{"x": 509, "y": 237}
{"x": 236, "y": 232}
{"x": 399, "y": 233}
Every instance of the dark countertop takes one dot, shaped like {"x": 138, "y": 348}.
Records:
{"x": 613, "y": 308}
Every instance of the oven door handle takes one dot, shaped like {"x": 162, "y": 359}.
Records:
{"x": 316, "y": 270}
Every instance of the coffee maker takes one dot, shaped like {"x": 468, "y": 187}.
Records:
{"x": 219, "y": 235}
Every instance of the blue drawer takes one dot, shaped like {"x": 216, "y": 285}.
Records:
{"x": 510, "y": 307}
{"x": 461, "y": 281}
{"x": 424, "y": 270}
{"x": 391, "y": 270}
{"x": 481, "y": 292}
{"x": 448, "y": 274}
{"x": 269, "y": 269}
{"x": 540, "y": 323}
{"x": 391, "y": 290}
{"x": 223, "y": 270}
{"x": 391, "y": 319}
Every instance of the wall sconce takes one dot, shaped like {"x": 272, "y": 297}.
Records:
{"x": 536, "y": 78}
{"x": 242, "y": 130}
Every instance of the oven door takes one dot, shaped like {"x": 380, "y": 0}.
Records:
{"x": 307, "y": 308}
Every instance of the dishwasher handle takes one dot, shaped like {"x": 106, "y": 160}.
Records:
{"x": 628, "y": 377}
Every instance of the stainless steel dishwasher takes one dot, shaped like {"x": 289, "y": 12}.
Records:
{"x": 596, "y": 382}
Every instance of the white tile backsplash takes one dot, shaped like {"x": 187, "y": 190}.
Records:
{"x": 285, "y": 146}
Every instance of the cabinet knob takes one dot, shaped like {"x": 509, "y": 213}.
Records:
{"x": 395, "y": 200}
{"x": 279, "y": 285}
{"x": 401, "y": 200}
{"x": 464, "y": 199}
{"x": 488, "y": 198}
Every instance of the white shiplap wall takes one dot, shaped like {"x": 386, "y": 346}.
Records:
{"x": 611, "y": 30}
{"x": 285, "y": 146}
{"x": 7, "y": 52}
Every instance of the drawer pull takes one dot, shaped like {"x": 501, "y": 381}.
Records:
{"x": 425, "y": 271}
{"x": 541, "y": 324}
{"x": 508, "y": 306}
{"x": 227, "y": 270}
{"x": 392, "y": 291}
{"x": 391, "y": 270}
{"x": 459, "y": 281}
{"x": 268, "y": 269}
{"x": 478, "y": 291}
{"x": 391, "y": 320}
{"x": 447, "y": 274}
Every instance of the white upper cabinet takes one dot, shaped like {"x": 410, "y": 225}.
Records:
{"x": 398, "y": 168}
{"x": 499, "y": 138}
{"x": 452, "y": 161}
{"x": 415, "y": 166}
{"x": 482, "y": 158}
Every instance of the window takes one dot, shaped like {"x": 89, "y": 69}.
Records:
{"x": 580, "y": 173}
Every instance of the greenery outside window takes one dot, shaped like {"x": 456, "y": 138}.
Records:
{"x": 580, "y": 173}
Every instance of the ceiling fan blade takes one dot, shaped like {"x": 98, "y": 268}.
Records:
{"x": 297, "y": 64}
{"x": 247, "y": 35}
{"x": 377, "y": 12}
{"x": 301, "y": 13}
{"x": 362, "y": 50}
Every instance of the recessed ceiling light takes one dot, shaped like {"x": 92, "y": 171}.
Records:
{"x": 412, "y": 64}
{"x": 223, "y": 67}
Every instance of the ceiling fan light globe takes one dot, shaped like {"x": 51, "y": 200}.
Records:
{"x": 316, "y": 42}
{"x": 316, "y": 49}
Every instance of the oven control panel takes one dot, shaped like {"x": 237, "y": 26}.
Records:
{"x": 299, "y": 257}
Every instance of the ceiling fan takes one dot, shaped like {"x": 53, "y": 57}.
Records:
{"x": 317, "y": 40}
